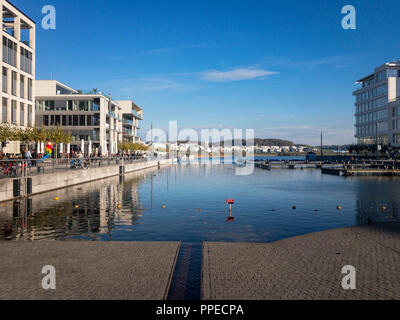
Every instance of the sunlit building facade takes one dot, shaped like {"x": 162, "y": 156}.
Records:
{"x": 378, "y": 106}
{"x": 18, "y": 71}
{"x": 95, "y": 121}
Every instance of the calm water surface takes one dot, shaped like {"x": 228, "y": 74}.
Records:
{"x": 194, "y": 197}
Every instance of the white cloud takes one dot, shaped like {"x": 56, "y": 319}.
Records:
{"x": 236, "y": 74}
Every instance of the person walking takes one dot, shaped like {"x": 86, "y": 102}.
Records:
{"x": 28, "y": 157}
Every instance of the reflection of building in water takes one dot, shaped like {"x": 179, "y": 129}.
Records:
{"x": 88, "y": 210}
{"x": 119, "y": 205}
{"x": 377, "y": 201}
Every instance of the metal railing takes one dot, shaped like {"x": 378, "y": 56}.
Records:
{"x": 17, "y": 168}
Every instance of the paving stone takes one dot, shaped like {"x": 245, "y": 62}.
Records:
{"x": 305, "y": 267}
{"x": 88, "y": 270}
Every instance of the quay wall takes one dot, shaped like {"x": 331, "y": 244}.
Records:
{"x": 53, "y": 181}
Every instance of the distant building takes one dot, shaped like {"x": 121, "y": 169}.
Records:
{"x": 86, "y": 115}
{"x": 378, "y": 106}
{"x": 131, "y": 115}
{"x": 18, "y": 70}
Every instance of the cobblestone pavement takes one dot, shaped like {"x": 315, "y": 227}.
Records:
{"x": 88, "y": 270}
{"x": 306, "y": 267}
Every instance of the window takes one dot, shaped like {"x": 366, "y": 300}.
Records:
{"x": 64, "y": 121}
{"x": 30, "y": 89}
{"x": 30, "y": 116}
{"x": 75, "y": 120}
{"x": 382, "y": 90}
{"x": 14, "y": 83}
{"x": 82, "y": 120}
{"x": 96, "y": 119}
{"x": 52, "y": 120}
{"x": 5, "y": 79}
{"x": 4, "y": 110}
{"x": 381, "y": 102}
{"x": 46, "y": 120}
{"x": 14, "y": 111}
{"x": 39, "y": 105}
{"x": 96, "y": 104}
{"x": 59, "y": 105}
{"x": 49, "y": 105}
{"x": 5, "y": 49}
{"x": 72, "y": 105}
{"x": 89, "y": 120}
{"x": 26, "y": 60}
{"x": 70, "y": 123}
{"x": 84, "y": 105}
{"x": 381, "y": 75}
{"x": 9, "y": 52}
{"x": 393, "y": 73}
{"x": 57, "y": 120}
{"x": 21, "y": 114}
{"x": 22, "y": 86}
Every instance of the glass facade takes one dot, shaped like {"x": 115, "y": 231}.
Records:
{"x": 9, "y": 52}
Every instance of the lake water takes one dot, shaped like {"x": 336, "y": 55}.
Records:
{"x": 187, "y": 202}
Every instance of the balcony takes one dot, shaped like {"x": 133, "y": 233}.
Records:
{"x": 137, "y": 115}
{"x": 127, "y": 121}
{"x": 127, "y": 132}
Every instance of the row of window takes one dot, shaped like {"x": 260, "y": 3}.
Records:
{"x": 395, "y": 124}
{"x": 93, "y": 135}
{"x": 372, "y": 93}
{"x": 22, "y": 82}
{"x": 13, "y": 112}
{"x": 381, "y": 75}
{"x": 370, "y": 129}
{"x": 72, "y": 120}
{"x": 372, "y": 116}
{"x": 396, "y": 138}
{"x": 69, "y": 105}
{"x": 10, "y": 55}
{"x": 370, "y": 105}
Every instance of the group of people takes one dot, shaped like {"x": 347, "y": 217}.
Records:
{"x": 10, "y": 164}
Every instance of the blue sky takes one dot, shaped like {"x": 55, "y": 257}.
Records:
{"x": 284, "y": 68}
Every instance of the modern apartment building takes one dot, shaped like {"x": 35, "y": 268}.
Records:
{"x": 18, "y": 70}
{"x": 90, "y": 116}
{"x": 378, "y": 106}
{"x": 131, "y": 115}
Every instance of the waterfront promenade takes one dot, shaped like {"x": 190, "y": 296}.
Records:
{"x": 88, "y": 270}
{"x": 65, "y": 178}
{"x": 304, "y": 267}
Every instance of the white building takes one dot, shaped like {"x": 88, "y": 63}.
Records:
{"x": 18, "y": 70}
{"x": 378, "y": 106}
{"x": 90, "y": 116}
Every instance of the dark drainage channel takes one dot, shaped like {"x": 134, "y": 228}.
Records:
{"x": 186, "y": 281}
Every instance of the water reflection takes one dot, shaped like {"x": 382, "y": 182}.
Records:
{"x": 377, "y": 200}
{"x": 87, "y": 211}
{"x": 187, "y": 202}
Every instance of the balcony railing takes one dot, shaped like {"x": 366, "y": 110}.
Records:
{"x": 127, "y": 121}
{"x": 137, "y": 115}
